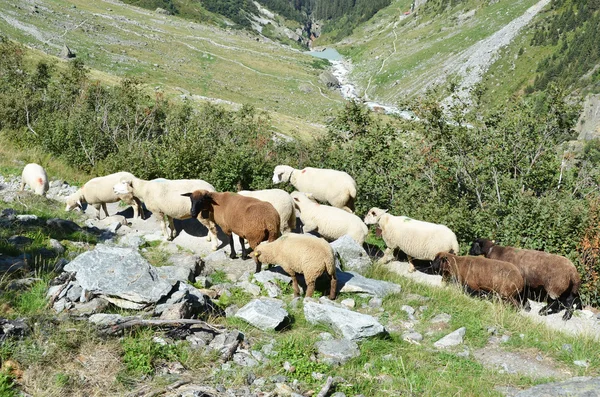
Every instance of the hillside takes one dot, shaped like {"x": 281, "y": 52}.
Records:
{"x": 204, "y": 62}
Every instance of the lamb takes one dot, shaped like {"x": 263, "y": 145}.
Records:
{"x": 249, "y": 218}
{"x": 35, "y": 176}
{"x": 163, "y": 198}
{"x": 330, "y": 222}
{"x": 481, "y": 274}
{"x": 554, "y": 274}
{"x": 99, "y": 191}
{"x": 283, "y": 203}
{"x": 417, "y": 239}
{"x": 301, "y": 253}
{"x": 330, "y": 186}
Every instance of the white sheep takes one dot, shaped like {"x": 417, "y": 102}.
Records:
{"x": 330, "y": 222}
{"x": 283, "y": 203}
{"x": 99, "y": 191}
{"x": 164, "y": 198}
{"x": 417, "y": 239}
{"x": 301, "y": 253}
{"x": 35, "y": 176}
{"x": 334, "y": 187}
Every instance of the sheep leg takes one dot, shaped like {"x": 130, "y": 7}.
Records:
{"x": 211, "y": 236}
{"x": 310, "y": 289}
{"x": 138, "y": 210}
{"x": 333, "y": 287}
{"x": 550, "y": 308}
{"x": 568, "y": 304}
{"x": 22, "y": 187}
{"x": 97, "y": 208}
{"x": 295, "y": 285}
{"x": 232, "y": 255}
{"x": 163, "y": 224}
{"x": 105, "y": 210}
{"x": 258, "y": 265}
{"x": 244, "y": 253}
{"x": 388, "y": 255}
{"x": 411, "y": 267}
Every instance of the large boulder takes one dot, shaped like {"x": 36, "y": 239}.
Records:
{"x": 352, "y": 325}
{"x": 119, "y": 275}
{"x": 352, "y": 256}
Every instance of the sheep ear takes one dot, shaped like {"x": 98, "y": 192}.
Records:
{"x": 186, "y": 194}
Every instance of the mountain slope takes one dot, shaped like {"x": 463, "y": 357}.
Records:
{"x": 178, "y": 56}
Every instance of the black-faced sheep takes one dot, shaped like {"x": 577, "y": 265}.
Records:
{"x": 334, "y": 187}
{"x": 417, "y": 239}
{"x": 330, "y": 222}
{"x": 304, "y": 254}
{"x": 35, "y": 176}
{"x": 481, "y": 274}
{"x": 99, "y": 191}
{"x": 163, "y": 198}
{"x": 249, "y": 218}
{"x": 555, "y": 274}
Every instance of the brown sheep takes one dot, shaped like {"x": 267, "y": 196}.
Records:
{"x": 555, "y": 274}
{"x": 481, "y": 274}
{"x": 249, "y": 218}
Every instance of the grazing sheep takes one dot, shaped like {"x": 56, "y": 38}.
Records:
{"x": 330, "y": 222}
{"x": 35, "y": 176}
{"x": 334, "y": 187}
{"x": 163, "y": 198}
{"x": 99, "y": 191}
{"x": 283, "y": 203}
{"x": 481, "y": 274}
{"x": 417, "y": 239}
{"x": 301, "y": 253}
{"x": 249, "y": 218}
{"x": 555, "y": 274}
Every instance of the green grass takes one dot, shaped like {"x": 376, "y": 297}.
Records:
{"x": 7, "y": 385}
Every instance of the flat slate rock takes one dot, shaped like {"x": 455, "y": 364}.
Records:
{"x": 354, "y": 282}
{"x": 121, "y": 273}
{"x": 352, "y": 325}
{"x": 336, "y": 351}
{"x": 583, "y": 386}
{"x": 264, "y": 313}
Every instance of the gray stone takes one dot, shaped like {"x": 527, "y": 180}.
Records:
{"x": 328, "y": 79}
{"x": 226, "y": 343}
{"x": 412, "y": 336}
{"x": 202, "y": 282}
{"x": 250, "y": 288}
{"x": 354, "y": 282}
{"x": 409, "y": 310}
{"x": 130, "y": 240}
{"x": 441, "y": 318}
{"x": 106, "y": 319}
{"x": 192, "y": 262}
{"x": 74, "y": 292}
{"x": 13, "y": 328}
{"x": 9, "y": 214}
{"x": 375, "y": 302}
{"x": 60, "y": 264}
{"x": 97, "y": 305}
{"x": 349, "y": 303}
{"x": 22, "y": 283}
{"x": 120, "y": 274}
{"x": 200, "y": 338}
{"x": 337, "y": 351}
{"x": 172, "y": 274}
{"x": 351, "y": 254}
{"x": 264, "y": 313}
{"x": 464, "y": 354}
{"x": 230, "y": 311}
{"x": 270, "y": 275}
{"x": 27, "y": 218}
{"x": 20, "y": 241}
{"x": 56, "y": 246}
{"x": 581, "y": 363}
{"x": 567, "y": 347}
{"x": 452, "y": 339}
{"x": 575, "y": 387}
{"x": 352, "y": 325}
{"x": 338, "y": 394}
{"x": 272, "y": 290}
{"x": 244, "y": 360}
{"x": 63, "y": 225}
{"x": 325, "y": 336}
{"x": 177, "y": 311}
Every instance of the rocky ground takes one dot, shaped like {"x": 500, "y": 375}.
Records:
{"x": 115, "y": 272}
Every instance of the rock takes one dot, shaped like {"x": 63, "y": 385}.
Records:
{"x": 352, "y": 325}
{"x": 177, "y": 311}
{"x": 13, "y": 328}
{"x": 250, "y": 288}
{"x": 60, "y": 264}
{"x": 162, "y": 11}
{"x": 581, "y": 363}
{"x": 327, "y": 78}
{"x": 173, "y": 274}
{"x": 244, "y": 360}
{"x": 62, "y": 225}
{"x": 283, "y": 390}
{"x": 74, "y": 291}
{"x": 354, "y": 282}
{"x": 270, "y": 275}
{"x": 351, "y": 254}
{"x": 130, "y": 240}
{"x": 56, "y": 246}
{"x": 202, "y": 282}
{"x": 119, "y": 274}
{"x": 567, "y": 347}
{"x": 230, "y": 311}
{"x": 8, "y": 214}
{"x": 412, "y": 336}
{"x": 337, "y": 351}
{"x": 20, "y": 241}
{"x": 226, "y": 343}
{"x": 452, "y": 339}
{"x": 97, "y": 305}
{"x": 349, "y": 303}
{"x": 27, "y": 218}
{"x": 441, "y": 318}
{"x": 272, "y": 290}
{"x": 107, "y": 319}
{"x": 10, "y": 264}
{"x": 200, "y": 338}
{"x": 264, "y": 314}
{"x": 23, "y": 283}
{"x": 375, "y": 302}
{"x": 192, "y": 262}
{"x": 575, "y": 387}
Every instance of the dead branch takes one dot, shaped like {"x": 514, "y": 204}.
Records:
{"x": 61, "y": 289}
{"x": 326, "y": 387}
{"x": 115, "y": 328}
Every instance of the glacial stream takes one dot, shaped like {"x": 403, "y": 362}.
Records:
{"x": 341, "y": 69}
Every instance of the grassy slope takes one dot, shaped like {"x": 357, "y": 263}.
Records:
{"x": 424, "y": 44}
{"x": 202, "y": 60}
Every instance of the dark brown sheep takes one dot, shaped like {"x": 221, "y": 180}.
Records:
{"x": 481, "y": 274}
{"x": 555, "y": 274}
{"x": 249, "y": 218}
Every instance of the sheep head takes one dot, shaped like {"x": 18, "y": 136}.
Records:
{"x": 282, "y": 173}
{"x": 439, "y": 262}
{"x": 75, "y": 200}
{"x": 201, "y": 201}
{"x": 373, "y": 216}
{"x": 481, "y": 246}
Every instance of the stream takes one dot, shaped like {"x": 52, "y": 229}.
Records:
{"x": 341, "y": 68}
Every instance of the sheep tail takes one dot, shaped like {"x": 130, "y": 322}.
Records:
{"x": 330, "y": 267}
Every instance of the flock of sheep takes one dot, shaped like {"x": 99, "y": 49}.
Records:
{"x": 266, "y": 219}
